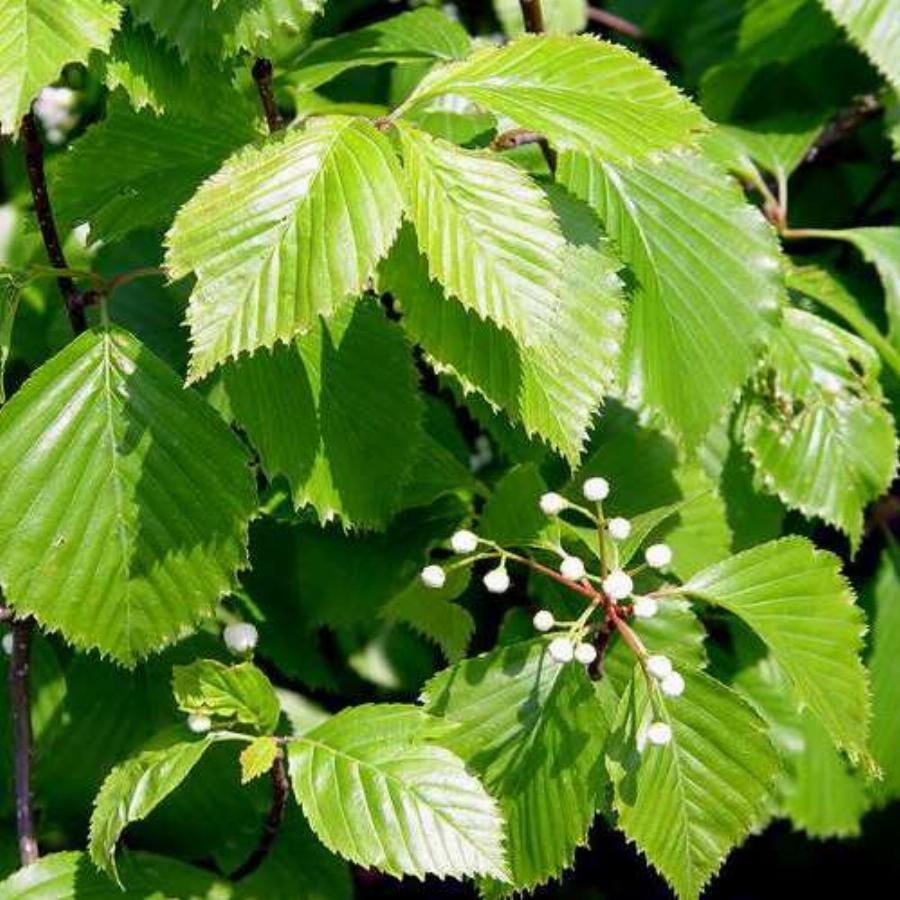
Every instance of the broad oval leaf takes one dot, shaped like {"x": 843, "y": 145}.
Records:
{"x": 282, "y": 233}
{"x": 581, "y": 93}
{"x": 377, "y": 792}
{"x": 125, "y": 499}
{"x": 794, "y": 597}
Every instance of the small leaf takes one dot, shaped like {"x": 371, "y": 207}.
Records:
{"x": 242, "y": 692}
{"x": 257, "y": 758}
{"x": 415, "y": 809}
{"x": 282, "y": 233}
{"x": 794, "y": 598}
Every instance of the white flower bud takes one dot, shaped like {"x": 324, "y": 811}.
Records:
{"x": 585, "y": 653}
{"x": 659, "y": 666}
{"x": 552, "y": 504}
{"x": 433, "y": 576}
{"x": 618, "y": 528}
{"x": 464, "y": 541}
{"x": 618, "y": 585}
{"x": 645, "y": 607}
{"x": 199, "y": 724}
{"x": 561, "y": 650}
{"x": 658, "y": 556}
{"x": 7, "y": 643}
{"x": 659, "y": 733}
{"x": 497, "y": 580}
{"x": 572, "y": 568}
{"x": 596, "y": 489}
{"x": 543, "y": 620}
{"x": 672, "y": 685}
{"x": 240, "y": 637}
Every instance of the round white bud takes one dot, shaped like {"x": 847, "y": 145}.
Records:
{"x": 596, "y": 489}
{"x": 585, "y": 653}
{"x": 618, "y": 585}
{"x": 433, "y": 576}
{"x": 659, "y": 666}
{"x": 672, "y": 685}
{"x": 618, "y": 528}
{"x": 572, "y": 568}
{"x": 198, "y": 723}
{"x": 645, "y": 607}
{"x": 561, "y": 650}
{"x": 552, "y": 504}
{"x": 658, "y": 556}
{"x": 659, "y": 733}
{"x": 497, "y": 580}
{"x": 543, "y": 620}
{"x": 240, "y": 637}
{"x": 7, "y": 643}
{"x": 464, "y": 541}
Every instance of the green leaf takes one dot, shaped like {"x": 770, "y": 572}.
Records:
{"x": 505, "y": 261}
{"x": 133, "y": 789}
{"x": 413, "y": 807}
{"x": 559, "y": 15}
{"x": 417, "y": 36}
{"x": 553, "y": 389}
{"x": 38, "y": 38}
{"x": 144, "y": 501}
{"x": 264, "y": 26}
{"x": 874, "y": 26}
{"x": 534, "y": 733}
{"x": 433, "y": 614}
{"x": 816, "y": 410}
{"x": 686, "y": 804}
{"x": 707, "y": 266}
{"x": 581, "y": 93}
{"x": 257, "y": 758}
{"x": 337, "y": 412}
{"x": 282, "y": 233}
{"x": 242, "y": 693}
{"x": 167, "y": 157}
{"x": 795, "y": 599}
{"x": 9, "y": 304}
{"x": 884, "y": 669}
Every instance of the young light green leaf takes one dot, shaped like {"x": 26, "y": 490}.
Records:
{"x": 241, "y": 693}
{"x": 553, "y": 389}
{"x": 505, "y": 260}
{"x": 581, "y": 93}
{"x": 37, "y": 38}
{"x": 795, "y": 599}
{"x": 416, "y": 809}
{"x": 133, "y": 789}
{"x": 257, "y": 758}
{"x": 168, "y": 157}
{"x": 707, "y": 266}
{"x": 687, "y": 803}
{"x": 143, "y": 503}
{"x": 817, "y": 409}
{"x": 417, "y": 36}
{"x": 282, "y": 233}
{"x": 533, "y": 731}
{"x": 874, "y": 26}
{"x": 303, "y": 405}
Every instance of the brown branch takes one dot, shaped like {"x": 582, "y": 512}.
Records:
{"x": 272, "y": 827}
{"x": 521, "y": 137}
{"x": 615, "y": 23}
{"x": 846, "y": 121}
{"x": 262, "y": 75}
{"x": 533, "y": 15}
{"x": 22, "y": 744}
{"x": 34, "y": 165}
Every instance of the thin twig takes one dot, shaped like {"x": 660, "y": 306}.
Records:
{"x": 22, "y": 746}
{"x": 521, "y": 137}
{"x": 843, "y": 123}
{"x": 533, "y": 15}
{"x": 262, "y": 75}
{"x": 34, "y": 164}
{"x": 272, "y": 827}
{"x": 615, "y": 23}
